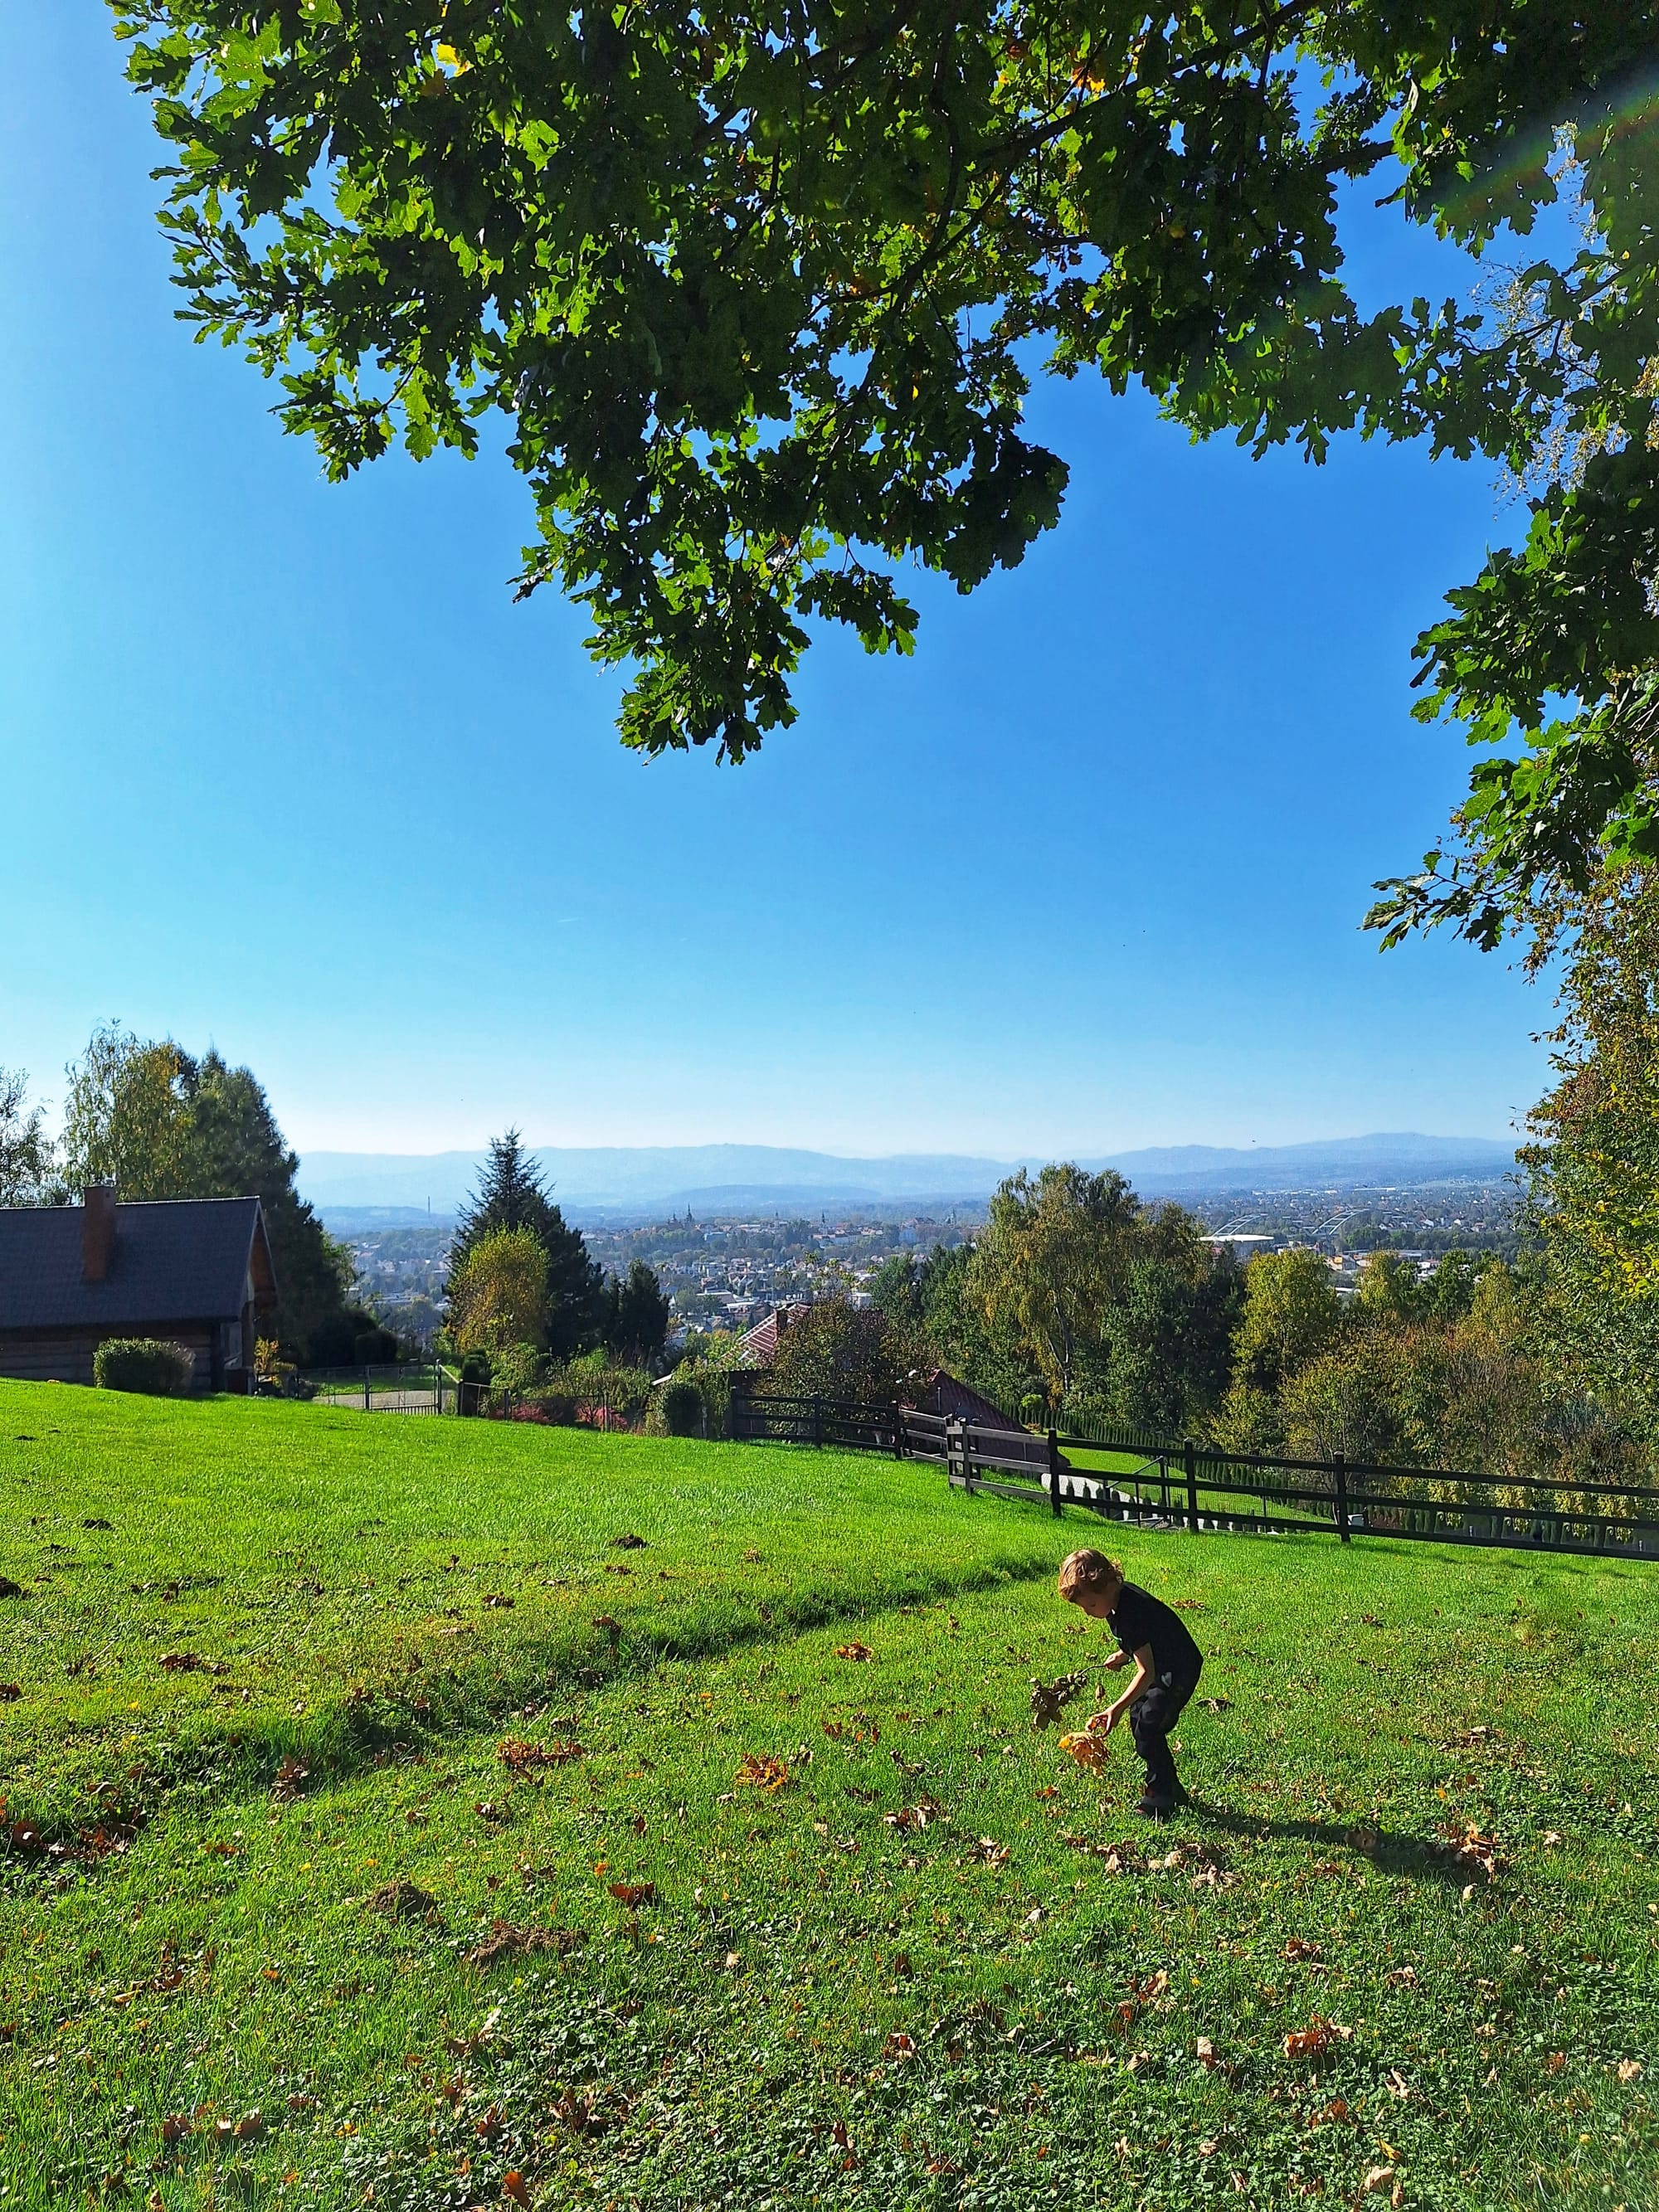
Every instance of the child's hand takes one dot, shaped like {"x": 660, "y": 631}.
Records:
{"x": 1103, "y": 1723}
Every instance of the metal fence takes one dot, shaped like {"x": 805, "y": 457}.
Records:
{"x": 1187, "y": 1484}
{"x": 409, "y": 1387}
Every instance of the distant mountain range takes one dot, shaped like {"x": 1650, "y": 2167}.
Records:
{"x": 724, "y": 1178}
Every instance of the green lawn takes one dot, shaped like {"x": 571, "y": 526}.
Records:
{"x": 916, "y": 1974}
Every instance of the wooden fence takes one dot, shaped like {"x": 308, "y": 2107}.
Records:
{"x": 1187, "y": 1484}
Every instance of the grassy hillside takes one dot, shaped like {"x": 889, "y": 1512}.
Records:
{"x": 934, "y": 1965}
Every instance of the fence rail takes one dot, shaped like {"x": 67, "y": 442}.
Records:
{"x": 409, "y": 1387}
{"x": 1180, "y": 1484}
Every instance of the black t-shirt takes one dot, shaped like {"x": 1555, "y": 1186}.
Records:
{"x": 1139, "y": 1618}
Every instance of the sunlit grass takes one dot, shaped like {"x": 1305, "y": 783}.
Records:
{"x": 914, "y": 1972}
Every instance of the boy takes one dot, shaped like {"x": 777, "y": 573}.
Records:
{"x": 1167, "y": 1664}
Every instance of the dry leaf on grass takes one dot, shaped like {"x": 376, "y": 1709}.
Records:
{"x": 633, "y": 1894}
{"x": 514, "y": 2187}
{"x": 854, "y": 1652}
{"x": 498, "y": 1602}
{"x": 627, "y": 1543}
{"x": 910, "y": 1817}
{"x": 516, "y": 1754}
{"x": 761, "y": 1772}
{"x": 1319, "y": 2036}
{"x": 290, "y": 1779}
{"x": 10, "y": 1692}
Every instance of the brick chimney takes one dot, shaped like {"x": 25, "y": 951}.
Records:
{"x": 97, "y": 1231}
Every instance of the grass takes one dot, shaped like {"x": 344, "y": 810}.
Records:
{"x": 914, "y": 1972}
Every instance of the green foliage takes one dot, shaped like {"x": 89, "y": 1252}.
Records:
{"x": 334, "y": 1341}
{"x": 1381, "y": 1701}
{"x": 678, "y": 1408}
{"x": 27, "y": 1156}
{"x": 760, "y": 295}
{"x": 498, "y": 1294}
{"x": 956, "y": 1332}
{"x": 637, "y": 1316}
{"x": 837, "y": 1350}
{"x": 144, "y": 1363}
{"x": 1125, "y": 1313}
{"x": 511, "y": 1195}
{"x": 158, "y": 1124}
{"x": 1054, "y": 1258}
{"x": 1291, "y": 1314}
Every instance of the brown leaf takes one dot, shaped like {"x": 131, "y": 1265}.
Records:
{"x": 516, "y": 1754}
{"x": 1299, "y": 1947}
{"x": 497, "y": 1602}
{"x": 1380, "y": 2176}
{"x": 1316, "y": 2039}
{"x": 910, "y": 1817}
{"x": 514, "y": 2187}
{"x": 182, "y": 1662}
{"x": 859, "y": 1651}
{"x": 1629, "y": 2068}
{"x": 291, "y": 1777}
{"x": 627, "y": 1543}
{"x": 10, "y": 1692}
{"x": 633, "y": 1894}
{"x": 1087, "y": 1747}
{"x": 760, "y": 1772}
{"x": 175, "y": 2127}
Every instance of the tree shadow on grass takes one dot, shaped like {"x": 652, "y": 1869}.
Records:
{"x": 1387, "y": 1849}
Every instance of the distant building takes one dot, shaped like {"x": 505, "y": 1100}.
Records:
{"x": 197, "y": 1272}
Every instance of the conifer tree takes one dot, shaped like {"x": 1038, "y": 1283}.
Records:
{"x": 511, "y": 1195}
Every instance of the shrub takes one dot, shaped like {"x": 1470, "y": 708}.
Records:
{"x": 142, "y": 1363}
{"x": 373, "y": 1347}
{"x": 837, "y": 1350}
{"x": 679, "y": 1406}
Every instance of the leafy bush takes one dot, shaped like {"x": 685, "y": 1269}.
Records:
{"x": 142, "y": 1363}
{"x": 373, "y": 1347}
{"x": 678, "y": 1407}
{"x": 837, "y": 1350}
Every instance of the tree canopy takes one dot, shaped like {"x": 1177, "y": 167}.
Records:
{"x": 511, "y": 1195}
{"x": 145, "y": 1115}
{"x": 760, "y": 290}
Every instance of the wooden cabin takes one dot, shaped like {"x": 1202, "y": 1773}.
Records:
{"x": 196, "y": 1272}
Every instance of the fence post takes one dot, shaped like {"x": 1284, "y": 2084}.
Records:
{"x": 1054, "y": 1473}
{"x": 365, "y": 1406}
{"x": 1339, "y": 1467}
{"x": 438, "y": 1383}
{"x": 818, "y": 1420}
{"x": 898, "y": 1432}
{"x": 1188, "y": 1461}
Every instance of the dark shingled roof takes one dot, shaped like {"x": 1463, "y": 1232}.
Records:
{"x": 174, "y": 1260}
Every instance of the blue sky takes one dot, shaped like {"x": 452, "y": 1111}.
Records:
{"x": 286, "y": 769}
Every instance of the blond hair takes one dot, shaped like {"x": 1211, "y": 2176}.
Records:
{"x": 1089, "y": 1570}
